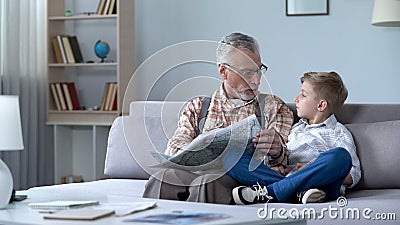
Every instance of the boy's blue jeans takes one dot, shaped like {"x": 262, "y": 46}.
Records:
{"x": 326, "y": 173}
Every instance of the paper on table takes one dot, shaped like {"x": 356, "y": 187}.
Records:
{"x": 62, "y": 204}
{"x": 125, "y": 208}
{"x": 80, "y": 214}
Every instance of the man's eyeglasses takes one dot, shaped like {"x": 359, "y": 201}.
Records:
{"x": 247, "y": 73}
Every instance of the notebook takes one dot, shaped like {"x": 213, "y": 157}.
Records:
{"x": 80, "y": 214}
{"x": 62, "y": 204}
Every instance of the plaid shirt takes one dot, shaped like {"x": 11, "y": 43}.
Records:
{"x": 222, "y": 112}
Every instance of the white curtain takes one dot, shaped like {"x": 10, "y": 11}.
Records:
{"x": 23, "y": 69}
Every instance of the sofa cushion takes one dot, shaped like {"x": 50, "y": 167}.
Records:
{"x": 378, "y": 146}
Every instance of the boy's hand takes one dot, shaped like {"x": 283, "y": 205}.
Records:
{"x": 349, "y": 180}
{"x": 268, "y": 142}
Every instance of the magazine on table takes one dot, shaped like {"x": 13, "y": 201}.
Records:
{"x": 180, "y": 217}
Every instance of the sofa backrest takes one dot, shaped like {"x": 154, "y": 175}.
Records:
{"x": 362, "y": 113}
{"x": 375, "y": 128}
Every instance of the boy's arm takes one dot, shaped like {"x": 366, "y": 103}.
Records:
{"x": 347, "y": 142}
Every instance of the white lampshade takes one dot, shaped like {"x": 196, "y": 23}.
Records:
{"x": 386, "y": 13}
{"x": 10, "y": 139}
{"x": 10, "y": 124}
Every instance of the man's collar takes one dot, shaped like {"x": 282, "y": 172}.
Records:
{"x": 222, "y": 94}
{"x": 224, "y": 98}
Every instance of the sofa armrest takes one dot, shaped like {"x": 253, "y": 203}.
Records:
{"x": 133, "y": 139}
{"x": 119, "y": 162}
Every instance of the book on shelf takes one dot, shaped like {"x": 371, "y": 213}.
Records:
{"x": 65, "y": 96}
{"x": 106, "y": 7}
{"x": 55, "y": 96}
{"x": 109, "y": 100}
{"x": 112, "y": 7}
{"x": 114, "y": 106}
{"x": 74, "y": 96}
{"x": 61, "y": 45}
{"x": 57, "y": 50}
{"x": 113, "y": 97}
{"x": 61, "y": 96}
{"x": 68, "y": 100}
{"x": 100, "y": 7}
{"x": 76, "y": 50}
{"x": 103, "y": 99}
{"x": 68, "y": 49}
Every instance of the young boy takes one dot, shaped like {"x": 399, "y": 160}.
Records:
{"x": 322, "y": 157}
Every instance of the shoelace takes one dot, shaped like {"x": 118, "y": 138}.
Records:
{"x": 262, "y": 192}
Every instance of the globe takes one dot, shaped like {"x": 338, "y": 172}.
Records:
{"x": 101, "y": 49}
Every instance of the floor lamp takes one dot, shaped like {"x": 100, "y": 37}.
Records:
{"x": 10, "y": 139}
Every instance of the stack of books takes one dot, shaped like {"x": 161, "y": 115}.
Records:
{"x": 66, "y": 49}
{"x": 65, "y": 96}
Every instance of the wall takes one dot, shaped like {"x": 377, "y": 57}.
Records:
{"x": 345, "y": 41}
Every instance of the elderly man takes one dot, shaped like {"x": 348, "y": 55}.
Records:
{"x": 240, "y": 67}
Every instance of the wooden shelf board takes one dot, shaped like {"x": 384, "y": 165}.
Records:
{"x": 81, "y": 117}
{"x": 83, "y": 17}
{"x": 83, "y": 64}
{"x": 83, "y": 111}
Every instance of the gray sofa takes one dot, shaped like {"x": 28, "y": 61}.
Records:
{"x": 375, "y": 127}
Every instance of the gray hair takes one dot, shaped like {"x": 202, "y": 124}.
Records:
{"x": 232, "y": 41}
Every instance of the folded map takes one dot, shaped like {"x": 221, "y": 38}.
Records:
{"x": 206, "y": 148}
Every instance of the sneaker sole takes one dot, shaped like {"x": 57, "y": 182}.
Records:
{"x": 235, "y": 195}
{"x": 313, "y": 196}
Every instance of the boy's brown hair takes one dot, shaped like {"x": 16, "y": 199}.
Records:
{"x": 328, "y": 86}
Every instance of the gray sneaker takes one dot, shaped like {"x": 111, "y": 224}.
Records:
{"x": 311, "y": 196}
{"x": 243, "y": 195}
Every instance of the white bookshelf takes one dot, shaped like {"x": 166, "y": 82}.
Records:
{"x": 80, "y": 136}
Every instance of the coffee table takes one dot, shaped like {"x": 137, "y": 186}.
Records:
{"x": 21, "y": 213}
